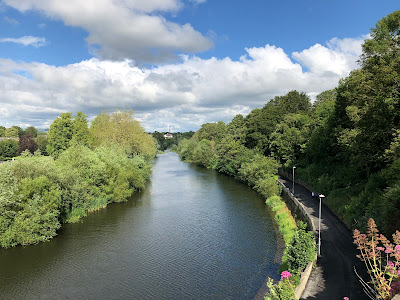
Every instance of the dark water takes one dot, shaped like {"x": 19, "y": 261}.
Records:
{"x": 191, "y": 234}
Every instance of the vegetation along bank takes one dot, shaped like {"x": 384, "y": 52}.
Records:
{"x": 80, "y": 170}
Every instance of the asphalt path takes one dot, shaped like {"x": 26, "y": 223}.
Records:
{"x": 334, "y": 277}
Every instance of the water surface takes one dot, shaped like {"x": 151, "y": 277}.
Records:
{"x": 191, "y": 234}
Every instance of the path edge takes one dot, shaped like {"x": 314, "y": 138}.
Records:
{"x": 305, "y": 275}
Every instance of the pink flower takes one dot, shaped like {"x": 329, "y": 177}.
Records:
{"x": 285, "y": 274}
{"x": 388, "y": 250}
{"x": 379, "y": 248}
{"x": 397, "y": 248}
{"x": 345, "y": 298}
{"x": 390, "y": 264}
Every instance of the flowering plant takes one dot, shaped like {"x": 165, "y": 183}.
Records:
{"x": 283, "y": 290}
{"x": 382, "y": 260}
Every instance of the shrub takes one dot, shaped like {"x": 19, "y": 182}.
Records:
{"x": 301, "y": 250}
{"x": 283, "y": 290}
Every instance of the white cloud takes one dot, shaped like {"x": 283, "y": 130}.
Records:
{"x": 335, "y": 58}
{"x": 185, "y": 94}
{"x": 133, "y": 29}
{"x": 26, "y": 41}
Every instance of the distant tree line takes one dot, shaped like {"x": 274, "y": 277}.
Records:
{"x": 87, "y": 168}
{"x": 15, "y": 140}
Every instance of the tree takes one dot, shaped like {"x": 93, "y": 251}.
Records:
{"x": 80, "y": 130}
{"x": 11, "y": 132}
{"x": 2, "y": 131}
{"x": 26, "y": 142}
{"x": 237, "y": 128}
{"x": 20, "y": 130}
{"x": 293, "y": 102}
{"x": 121, "y": 128}
{"x": 8, "y": 148}
{"x": 211, "y": 131}
{"x": 290, "y": 137}
{"x": 42, "y": 143}
{"x": 60, "y": 134}
{"x": 32, "y": 131}
{"x": 384, "y": 42}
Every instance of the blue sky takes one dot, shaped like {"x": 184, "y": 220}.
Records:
{"x": 174, "y": 62}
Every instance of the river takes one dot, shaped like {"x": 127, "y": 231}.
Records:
{"x": 191, "y": 234}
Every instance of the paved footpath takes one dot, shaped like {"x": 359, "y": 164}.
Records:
{"x": 333, "y": 278}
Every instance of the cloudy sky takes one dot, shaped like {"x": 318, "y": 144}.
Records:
{"x": 174, "y": 62}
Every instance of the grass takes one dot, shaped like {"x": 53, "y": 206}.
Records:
{"x": 286, "y": 223}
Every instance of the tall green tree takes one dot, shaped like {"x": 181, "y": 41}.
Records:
{"x": 123, "y": 129}
{"x": 60, "y": 134}
{"x": 211, "y": 131}
{"x": 290, "y": 138}
{"x": 2, "y": 131}
{"x": 80, "y": 129}
{"x": 32, "y": 131}
{"x": 42, "y": 143}
{"x": 11, "y": 132}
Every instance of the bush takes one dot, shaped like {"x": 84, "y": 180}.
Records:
{"x": 8, "y": 148}
{"x": 283, "y": 290}
{"x": 301, "y": 250}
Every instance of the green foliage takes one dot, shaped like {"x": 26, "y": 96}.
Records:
{"x": 290, "y": 138}
{"x": 2, "y": 131}
{"x": 28, "y": 206}
{"x": 38, "y": 193}
{"x": 231, "y": 155}
{"x": 121, "y": 128}
{"x": 237, "y": 128}
{"x": 42, "y": 142}
{"x": 301, "y": 250}
{"x": 80, "y": 130}
{"x": 283, "y": 290}
{"x": 11, "y": 132}
{"x": 186, "y": 148}
{"x": 8, "y": 148}
{"x": 258, "y": 168}
{"x": 32, "y": 131}
{"x": 59, "y": 135}
{"x": 211, "y": 131}
{"x": 204, "y": 154}
{"x": 261, "y": 123}
{"x": 283, "y": 217}
{"x": 267, "y": 186}
{"x": 354, "y": 143}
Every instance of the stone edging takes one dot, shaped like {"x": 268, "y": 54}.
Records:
{"x": 305, "y": 275}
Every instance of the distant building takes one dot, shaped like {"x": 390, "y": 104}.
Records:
{"x": 168, "y": 135}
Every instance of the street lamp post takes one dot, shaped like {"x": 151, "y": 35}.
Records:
{"x": 319, "y": 225}
{"x": 293, "y": 179}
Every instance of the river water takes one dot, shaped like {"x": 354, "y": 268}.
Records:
{"x": 191, "y": 234}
